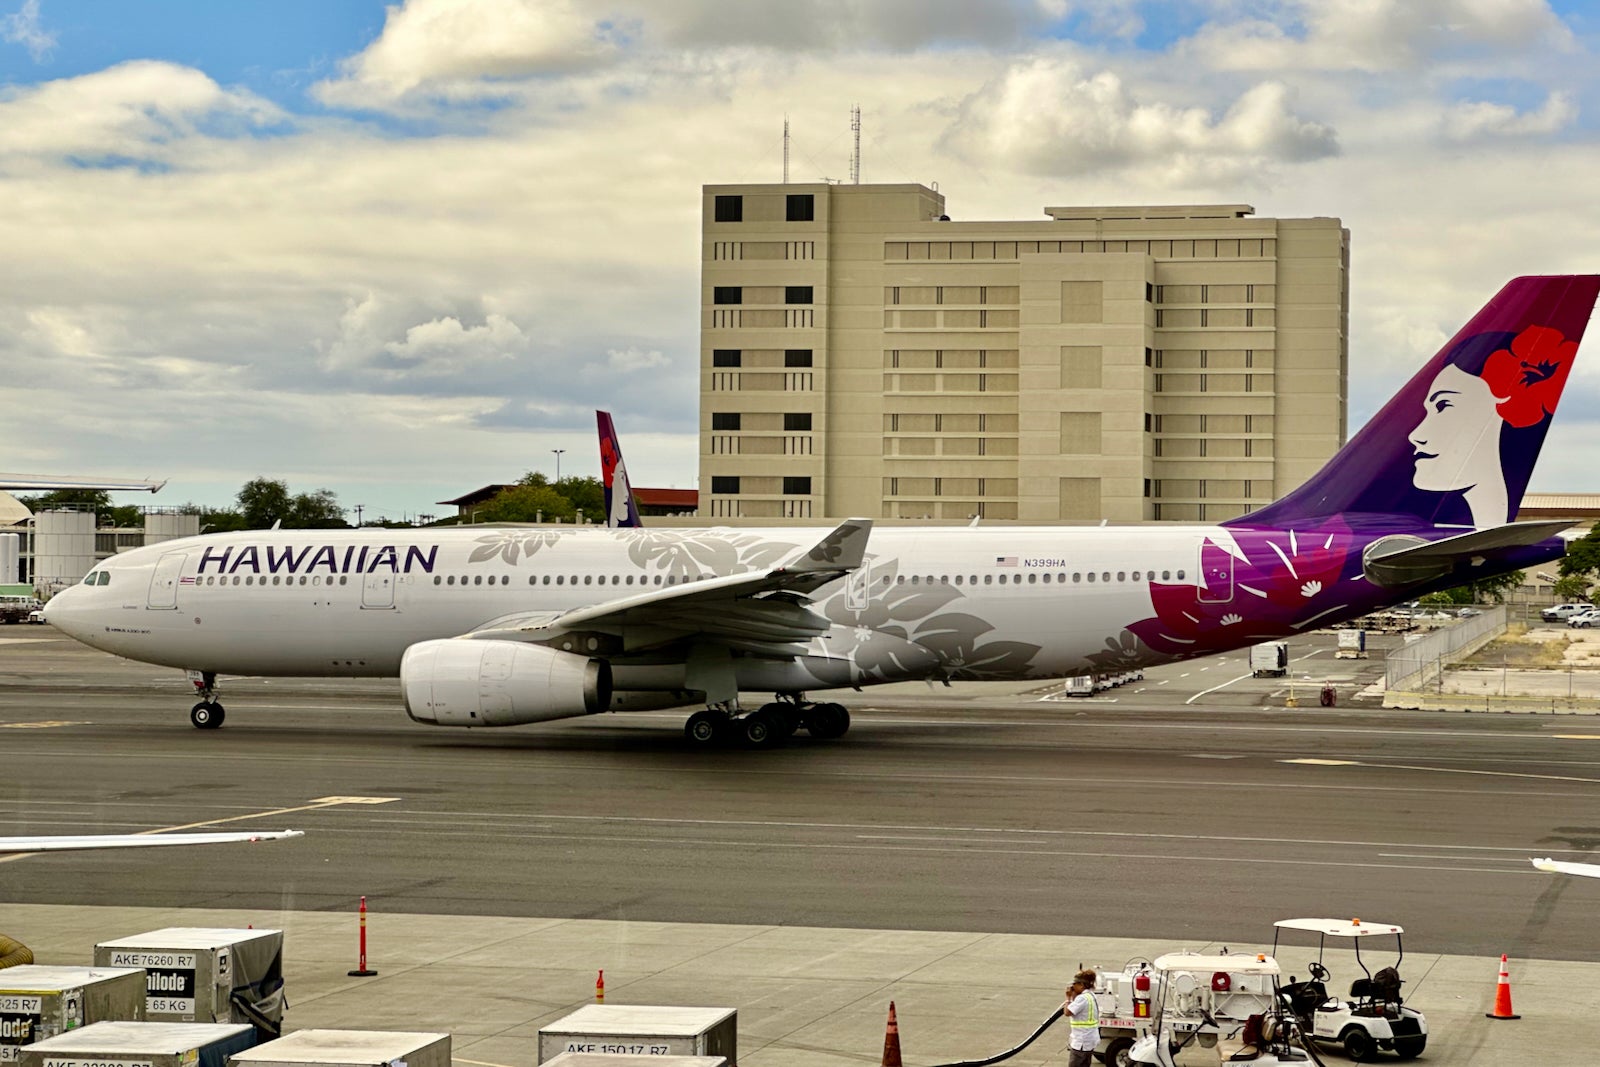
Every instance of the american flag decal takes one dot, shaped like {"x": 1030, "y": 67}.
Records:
{"x": 185, "y": 581}
{"x": 1005, "y": 561}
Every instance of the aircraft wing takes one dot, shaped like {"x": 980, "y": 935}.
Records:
{"x": 1587, "y": 870}
{"x": 44, "y": 482}
{"x": 1437, "y": 558}
{"x": 69, "y": 842}
{"x": 760, "y": 609}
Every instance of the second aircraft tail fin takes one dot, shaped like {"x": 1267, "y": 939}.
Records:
{"x": 621, "y": 509}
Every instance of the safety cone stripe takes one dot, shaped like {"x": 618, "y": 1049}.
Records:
{"x": 1502, "y": 994}
{"x": 891, "y": 1041}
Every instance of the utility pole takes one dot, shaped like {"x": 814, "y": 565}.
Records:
{"x": 558, "y": 452}
{"x": 359, "y": 508}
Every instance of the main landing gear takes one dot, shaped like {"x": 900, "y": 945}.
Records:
{"x": 769, "y": 725}
{"x": 208, "y": 714}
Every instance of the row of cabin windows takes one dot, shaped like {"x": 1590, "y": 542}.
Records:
{"x": 1035, "y": 577}
{"x": 728, "y": 485}
{"x": 734, "y": 294}
{"x": 734, "y": 357}
{"x": 793, "y": 421}
{"x": 798, "y": 207}
{"x": 562, "y": 579}
{"x": 1032, "y": 578}
{"x": 251, "y": 579}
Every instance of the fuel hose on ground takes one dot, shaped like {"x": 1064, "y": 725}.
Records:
{"x": 1010, "y": 1052}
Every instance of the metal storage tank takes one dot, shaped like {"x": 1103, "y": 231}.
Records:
{"x": 128, "y": 1044}
{"x": 206, "y": 974}
{"x": 10, "y": 558}
{"x": 37, "y": 1002}
{"x": 168, "y": 526}
{"x": 348, "y": 1048}
{"x": 63, "y": 547}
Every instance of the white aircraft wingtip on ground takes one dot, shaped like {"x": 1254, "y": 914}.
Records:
{"x": 68, "y": 842}
{"x": 1550, "y": 866}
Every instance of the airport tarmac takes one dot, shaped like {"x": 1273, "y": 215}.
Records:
{"x": 960, "y": 852}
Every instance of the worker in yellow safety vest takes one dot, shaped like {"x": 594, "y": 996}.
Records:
{"x": 1084, "y": 1015}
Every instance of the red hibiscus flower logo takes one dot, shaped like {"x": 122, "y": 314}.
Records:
{"x": 1530, "y": 374}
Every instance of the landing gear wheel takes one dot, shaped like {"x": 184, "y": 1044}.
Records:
{"x": 827, "y": 721}
{"x": 1116, "y": 1054}
{"x": 1359, "y": 1045}
{"x": 786, "y": 716}
{"x": 705, "y": 728}
{"x": 206, "y": 715}
{"x": 763, "y": 729}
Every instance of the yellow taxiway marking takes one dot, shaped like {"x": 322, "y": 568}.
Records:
{"x": 43, "y": 724}
{"x": 1323, "y": 762}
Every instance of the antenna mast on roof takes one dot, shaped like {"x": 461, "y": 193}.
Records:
{"x": 786, "y": 149}
{"x": 855, "y": 156}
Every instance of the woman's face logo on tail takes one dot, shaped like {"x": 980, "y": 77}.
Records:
{"x": 1457, "y": 443}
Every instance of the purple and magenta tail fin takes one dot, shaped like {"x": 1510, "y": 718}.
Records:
{"x": 1456, "y": 446}
{"x": 621, "y": 509}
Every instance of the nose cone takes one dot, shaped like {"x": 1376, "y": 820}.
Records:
{"x": 61, "y": 612}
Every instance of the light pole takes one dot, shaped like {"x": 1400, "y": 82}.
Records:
{"x": 558, "y": 452}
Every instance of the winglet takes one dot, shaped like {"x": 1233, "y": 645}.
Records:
{"x": 842, "y": 549}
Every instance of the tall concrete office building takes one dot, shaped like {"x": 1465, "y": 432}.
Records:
{"x": 862, "y": 354}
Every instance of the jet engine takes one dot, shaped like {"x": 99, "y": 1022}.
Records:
{"x": 462, "y": 682}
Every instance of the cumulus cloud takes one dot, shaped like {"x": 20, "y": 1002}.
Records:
{"x": 1375, "y": 35}
{"x": 445, "y": 49}
{"x": 23, "y": 27}
{"x": 1471, "y": 120}
{"x": 135, "y": 111}
{"x": 626, "y": 360}
{"x": 379, "y": 334}
{"x": 1047, "y": 117}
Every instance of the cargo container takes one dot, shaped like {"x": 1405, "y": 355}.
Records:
{"x": 604, "y": 1059}
{"x": 126, "y": 1044}
{"x": 348, "y": 1048}
{"x": 206, "y": 974}
{"x": 37, "y": 1002}
{"x": 643, "y": 1030}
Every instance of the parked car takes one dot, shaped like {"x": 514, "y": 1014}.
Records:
{"x": 1583, "y": 620}
{"x": 1562, "y": 612}
{"x": 1468, "y": 613}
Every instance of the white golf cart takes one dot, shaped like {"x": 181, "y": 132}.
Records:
{"x": 1374, "y": 1017}
{"x": 1228, "y": 1004}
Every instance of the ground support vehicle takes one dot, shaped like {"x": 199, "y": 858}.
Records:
{"x": 17, "y": 608}
{"x": 1123, "y": 1005}
{"x": 1227, "y": 1002}
{"x": 1562, "y": 612}
{"x": 1374, "y": 1017}
{"x": 1269, "y": 659}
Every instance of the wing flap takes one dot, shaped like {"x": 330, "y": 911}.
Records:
{"x": 1420, "y": 562}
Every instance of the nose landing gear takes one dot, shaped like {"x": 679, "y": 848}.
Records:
{"x": 208, "y": 714}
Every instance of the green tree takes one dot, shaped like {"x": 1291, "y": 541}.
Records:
{"x": 1573, "y": 587}
{"x": 315, "y": 511}
{"x": 1583, "y": 555}
{"x": 96, "y": 500}
{"x": 264, "y": 501}
{"x": 525, "y": 503}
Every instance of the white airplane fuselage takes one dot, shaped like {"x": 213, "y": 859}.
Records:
{"x": 350, "y": 602}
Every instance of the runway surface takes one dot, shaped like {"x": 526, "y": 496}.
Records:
{"x": 1135, "y": 814}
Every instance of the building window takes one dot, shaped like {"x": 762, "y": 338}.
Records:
{"x": 729, "y": 209}
{"x": 1149, "y": 293}
{"x": 725, "y": 357}
{"x": 727, "y": 294}
{"x": 795, "y": 294}
{"x": 797, "y": 421}
{"x": 725, "y": 420}
{"x": 725, "y": 484}
{"x": 797, "y": 357}
{"x": 793, "y": 486}
{"x": 802, "y": 207}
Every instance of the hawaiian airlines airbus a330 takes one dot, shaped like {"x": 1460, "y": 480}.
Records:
{"x": 504, "y": 626}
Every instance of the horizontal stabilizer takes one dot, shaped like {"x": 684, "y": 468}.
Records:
{"x": 1423, "y": 562}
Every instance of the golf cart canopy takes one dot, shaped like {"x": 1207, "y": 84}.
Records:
{"x": 1242, "y": 963}
{"x": 1339, "y": 927}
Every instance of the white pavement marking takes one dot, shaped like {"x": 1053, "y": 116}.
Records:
{"x": 1214, "y": 688}
{"x": 1323, "y": 762}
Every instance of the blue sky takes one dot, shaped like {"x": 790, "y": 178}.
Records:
{"x": 400, "y": 251}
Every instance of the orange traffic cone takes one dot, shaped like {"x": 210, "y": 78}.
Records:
{"x": 1502, "y": 995}
{"x": 891, "y": 1041}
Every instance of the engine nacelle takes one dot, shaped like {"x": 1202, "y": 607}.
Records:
{"x": 499, "y": 683}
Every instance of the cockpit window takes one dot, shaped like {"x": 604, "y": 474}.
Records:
{"x": 105, "y": 578}
{"x": 96, "y": 578}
